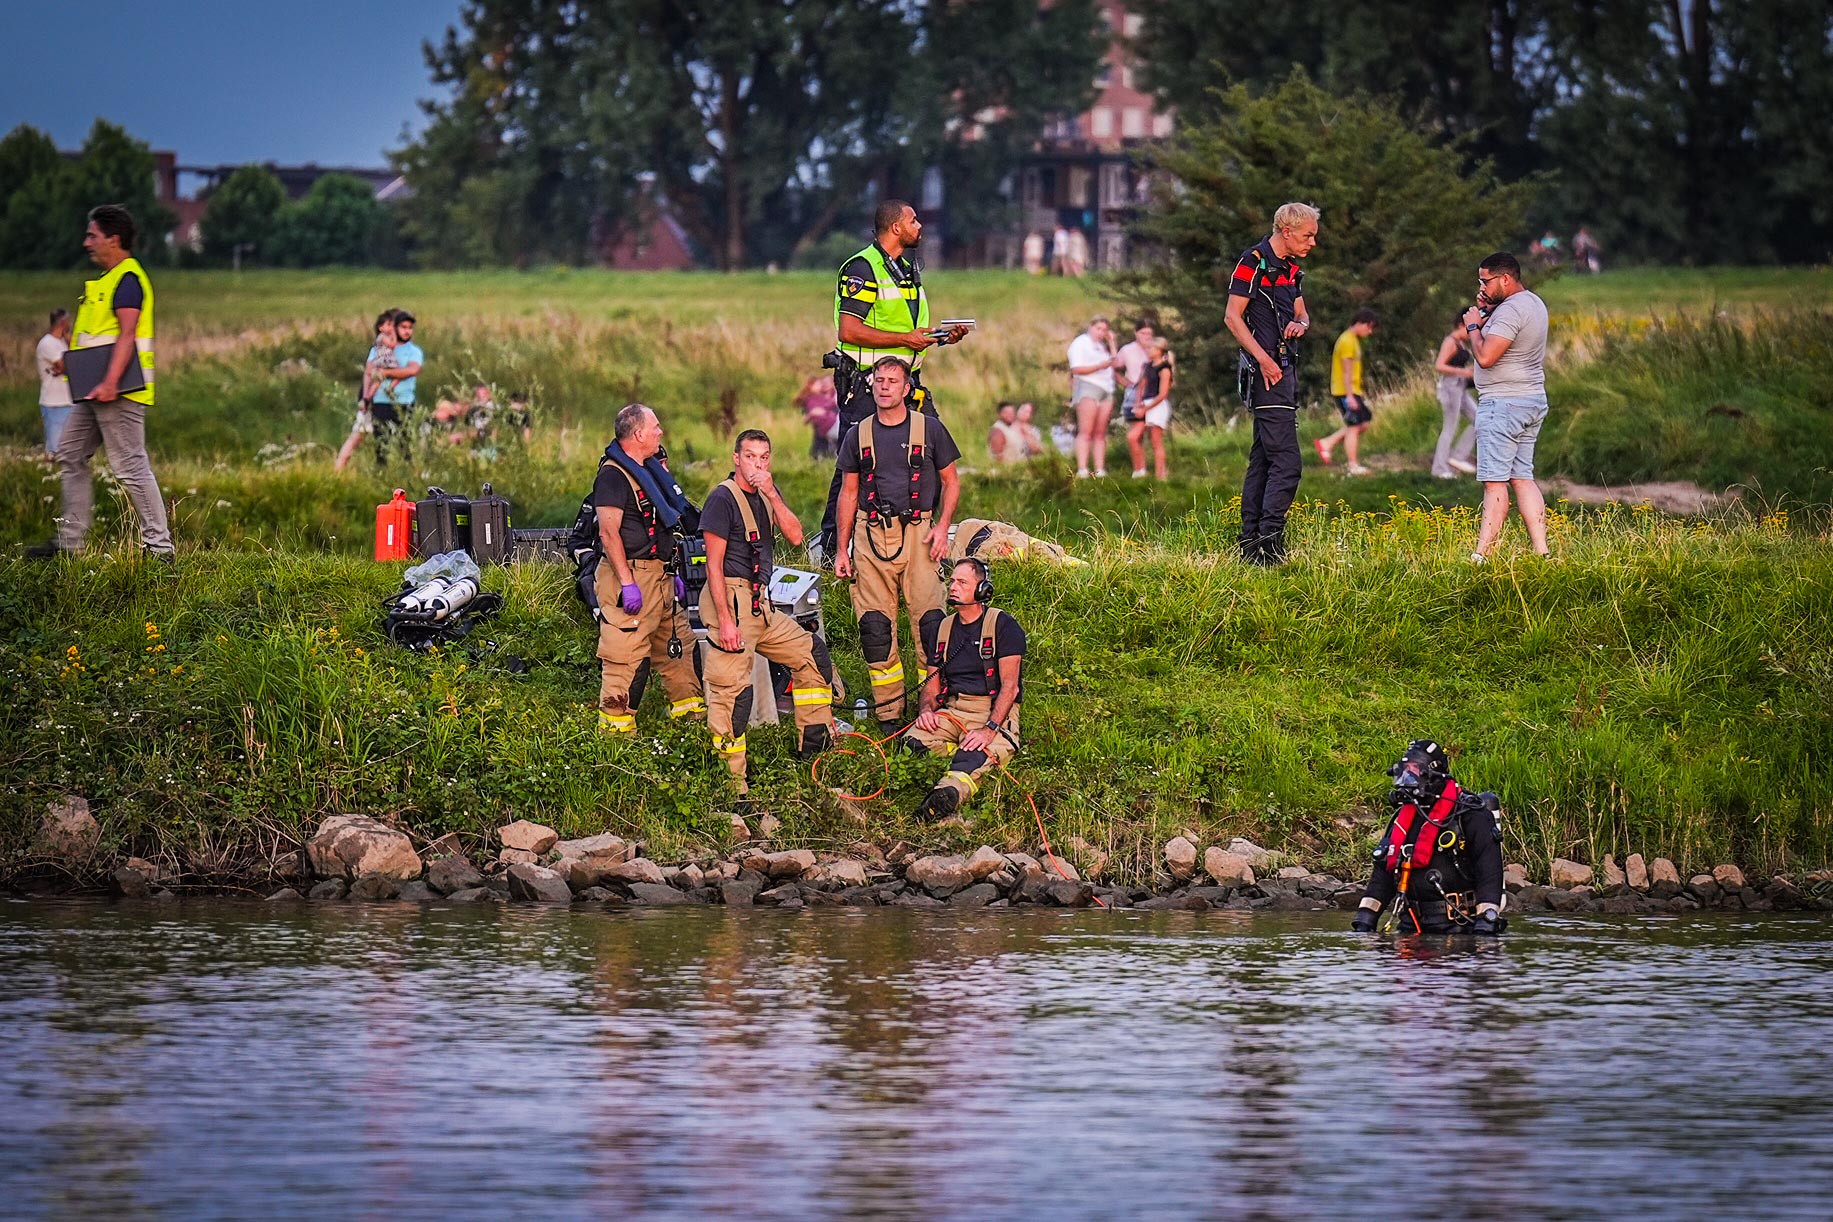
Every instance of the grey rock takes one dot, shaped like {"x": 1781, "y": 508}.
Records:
{"x": 913, "y": 899}
{"x": 528, "y": 837}
{"x": 1319, "y": 886}
{"x": 689, "y": 877}
{"x": 1729, "y": 877}
{"x": 636, "y": 870}
{"x": 1180, "y": 858}
{"x": 780, "y": 895}
{"x": 1784, "y": 896}
{"x": 538, "y": 884}
{"x": 978, "y": 895}
{"x": 1533, "y": 898}
{"x": 658, "y": 894}
{"x": 1257, "y": 857}
{"x": 416, "y": 892}
{"x": 445, "y": 846}
{"x": 448, "y": 874}
{"x": 1164, "y": 903}
{"x": 1704, "y": 887}
{"x": 738, "y": 894}
{"x": 162, "y": 895}
{"x": 1294, "y": 872}
{"x": 472, "y": 895}
{"x": 374, "y": 887}
{"x": 1682, "y": 903}
{"x": 793, "y": 863}
{"x": 131, "y": 883}
{"x": 859, "y": 897}
{"x": 940, "y": 876}
{"x": 1060, "y": 868}
{"x": 1292, "y": 901}
{"x": 1347, "y": 899}
{"x": 284, "y": 894}
{"x": 1515, "y": 877}
{"x": 1229, "y": 869}
{"x": 768, "y": 825}
{"x": 844, "y": 873}
{"x": 517, "y": 857}
{"x": 1068, "y": 893}
{"x": 602, "y": 845}
{"x": 350, "y": 846}
{"x": 1621, "y": 904}
{"x": 67, "y": 831}
{"x": 1613, "y": 876}
{"x": 330, "y": 889}
{"x": 591, "y": 895}
{"x": 1213, "y": 896}
{"x": 1635, "y": 872}
{"x": 1663, "y": 878}
{"x": 1566, "y": 873}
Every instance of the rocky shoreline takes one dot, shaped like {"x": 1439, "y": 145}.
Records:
{"x": 360, "y": 858}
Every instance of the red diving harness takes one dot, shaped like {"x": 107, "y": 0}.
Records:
{"x": 1411, "y": 840}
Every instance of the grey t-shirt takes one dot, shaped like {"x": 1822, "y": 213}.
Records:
{"x": 1521, "y": 372}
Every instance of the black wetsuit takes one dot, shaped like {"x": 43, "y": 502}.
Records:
{"x": 1470, "y": 871}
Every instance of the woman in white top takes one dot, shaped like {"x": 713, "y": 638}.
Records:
{"x": 53, "y": 387}
{"x": 1091, "y": 388}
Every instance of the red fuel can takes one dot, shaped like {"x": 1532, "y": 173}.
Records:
{"x": 395, "y": 528}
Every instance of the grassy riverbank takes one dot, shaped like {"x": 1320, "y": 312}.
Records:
{"x": 1661, "y": 687}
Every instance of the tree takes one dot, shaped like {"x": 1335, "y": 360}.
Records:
{"x": 242, "y": 212}
{"x": 45, "y": 213}
{"x": 762, "y": 121}
{"x": 338, "y": 222}
{"x": 1405, "y": 223}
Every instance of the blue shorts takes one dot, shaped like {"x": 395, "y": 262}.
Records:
{"x": 1506, "y": 432}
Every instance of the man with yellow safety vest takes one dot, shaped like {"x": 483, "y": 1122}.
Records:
{"x": 897, "y": 496}
{"x": 880, "y": 310}
{"x": 116, "y": 311}
{"x": 740, "y": 522}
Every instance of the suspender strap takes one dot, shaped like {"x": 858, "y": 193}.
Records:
{"x": 868, "y": 465}
{"x": 989, "y": 664}
{"x": 759, "y": 579}
{"x": 643, "y": 507}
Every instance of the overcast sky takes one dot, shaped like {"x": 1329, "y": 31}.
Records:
{"x": 331, "y": 81}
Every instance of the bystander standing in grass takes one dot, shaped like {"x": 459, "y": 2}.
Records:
{"x": 1508, "y": 338}
{"x": 1091, "y": 388}
{"x": 1458, "y": 403}
{"x": 1346, "y": 365}
{"x": 53, "y": 387}
{"x": 1134, "y": 355}
{"x": 394, "y": 396}
{"x": 1153, "y": 414}
{"x": 381, "y": 356}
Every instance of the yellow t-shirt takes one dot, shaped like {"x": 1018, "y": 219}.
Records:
{"x": 1349, "y": 348}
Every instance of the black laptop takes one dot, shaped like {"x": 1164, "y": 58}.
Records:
{"x": 86, "y": 367}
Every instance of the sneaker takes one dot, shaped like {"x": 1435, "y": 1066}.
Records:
{"x": 1468, "y": 468}
{"x": 1356, "y": 468}
{"x": 1082, "y": 475}
{"x": 1478, "y": 558}
{"x": 1139, "y": 474}
{"x": 1100, "y": 472}
{"x": 1323, "y": 453}
{"x": 1444, "y": 475}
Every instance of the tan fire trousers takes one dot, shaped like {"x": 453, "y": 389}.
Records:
{"x": 626, "y": 641}
{"x": 728, "y": 675}
{"x": 892, "y": 560}
{"x": 961, "y": 715}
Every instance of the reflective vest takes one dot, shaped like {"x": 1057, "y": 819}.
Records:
{"x": 97, "y": 325}
{"x": 897, "y": 308}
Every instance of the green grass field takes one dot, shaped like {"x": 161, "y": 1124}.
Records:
{"x": 1661, "y": 686}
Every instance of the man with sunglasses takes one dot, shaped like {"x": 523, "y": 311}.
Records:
{"x": 1508, "y": 342}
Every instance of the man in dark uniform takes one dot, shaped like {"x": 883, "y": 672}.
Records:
{"x": 740, "y": 522}
{"x": 970, "y": 700}
{"x": 880, "y": 310}
{"x": 1266, "y": 313}
{"x": 1440, "y": 860}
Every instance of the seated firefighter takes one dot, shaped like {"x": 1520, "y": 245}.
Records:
{"x": 970, "y": 700}
{"x": 1440, "y": 860}
{"x": 642, "y": 627}
{"x": 740, "y": 521}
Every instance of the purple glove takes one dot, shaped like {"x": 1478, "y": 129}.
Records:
{"x": 680, "y": 589}
{"x": 632, "y": 598}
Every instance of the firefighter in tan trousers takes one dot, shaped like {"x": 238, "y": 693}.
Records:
{"x": 970, "y": 700}
{"x": 898, "y": 493}
{"x": 642, "y": 626}
{"x": 739, "y": 523}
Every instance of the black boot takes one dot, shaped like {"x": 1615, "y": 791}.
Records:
{"x": 815, "y": 740}
{"x": 939, "y": 805}
{"x": 43, "y": 551}
{"x": 888, "y": 729}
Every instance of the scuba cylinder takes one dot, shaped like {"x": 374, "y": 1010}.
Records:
{"x": 416, "y": 600}
{"x": 395, "y": 527}
{"x": 451, "y": 598}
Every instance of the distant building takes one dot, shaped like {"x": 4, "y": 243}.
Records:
{"x": 649, "y": 239}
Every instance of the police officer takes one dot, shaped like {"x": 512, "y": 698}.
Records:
{"x": 1440, "y": 860}
{"x": 970, "y": 700}
{"x": 1266, "y": 313}
{"x": 116, "y": 312}
{"x": 897, "y": 496}
{"x": 643, "y": 626}
{"x": 880, "y": 309}
{"x": 740, "y": 522}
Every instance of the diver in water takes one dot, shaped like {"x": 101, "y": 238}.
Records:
{"x": 1440, "y": 861}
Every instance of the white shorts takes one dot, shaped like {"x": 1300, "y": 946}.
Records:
{"x": 1159, "y": 416}
{"x": 1082, "y": 388}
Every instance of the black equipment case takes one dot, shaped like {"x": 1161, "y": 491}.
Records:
{"x": 442, "y": 523}
{"x": 491, "y": 538}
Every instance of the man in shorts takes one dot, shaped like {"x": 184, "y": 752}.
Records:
{"x": 1346, "y": 388}
{"x": 1508, "y": 341}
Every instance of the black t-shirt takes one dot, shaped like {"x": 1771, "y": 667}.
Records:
{"x": 720, "y": 517}
{"x": 130, "y": 294}
{"x": 858, "y": 289}
{"x": 891, "y": 463}
{"x": 1149, "y": 380}
{"x": 1272, "y": 286}
{"x": 964, "y": 671}
{"x": 612, "y": 490}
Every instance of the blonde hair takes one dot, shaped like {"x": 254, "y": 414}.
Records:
{"x": 1291, "y": 216}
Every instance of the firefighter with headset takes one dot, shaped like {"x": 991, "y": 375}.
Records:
{"x": 880, "y": 310}
{"x": 970, "y": 700}
{"x": 898, "y": 494}
{"x": 740, "y": 521}
{"x": 642, "y": 624}
{"x": 1440, "y": 860}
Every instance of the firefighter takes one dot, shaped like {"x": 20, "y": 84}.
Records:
{"x": 970, "y": 700}
{"x": 740, "y": 521}
{"x": 898, "y": 492}
{"x": 642, "y": 625}
{"x": 1440, "y": 860}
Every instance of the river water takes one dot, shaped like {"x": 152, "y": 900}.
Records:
{"x": 214, "y": 1059}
